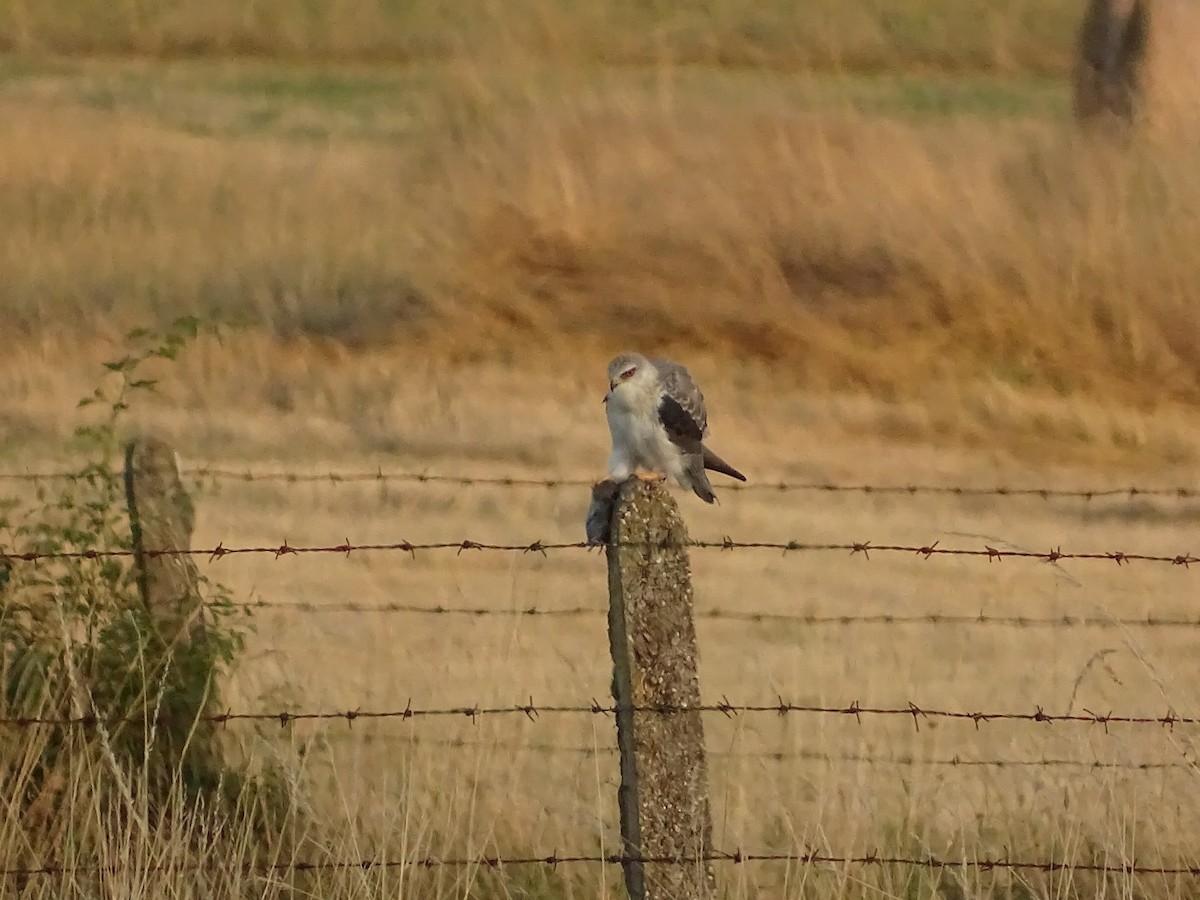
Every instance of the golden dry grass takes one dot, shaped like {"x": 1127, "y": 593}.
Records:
{"x": 513, "y": 786}
{"x": 964, "y": 35}
{"x": 908, "y": 277}
{"x": 566, "y": 797}
{"x": 848, "y": 233}
{"x": 1172, "y": 72}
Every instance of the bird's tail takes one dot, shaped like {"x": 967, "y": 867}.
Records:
{"x": 714, "y": 462}
{"x": 702, "y": 488}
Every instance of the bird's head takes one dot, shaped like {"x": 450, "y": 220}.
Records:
{"x": 628, "y": 373}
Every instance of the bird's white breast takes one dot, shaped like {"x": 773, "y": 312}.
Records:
{"x": 638, "y": 437}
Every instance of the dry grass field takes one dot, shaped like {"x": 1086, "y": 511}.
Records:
{"x": 400, "y": 790}
{"x": 967, "y": 35}
{"x": 872, "y": 233}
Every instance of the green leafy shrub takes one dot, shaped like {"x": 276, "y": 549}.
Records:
{"x": 77, "y": 641}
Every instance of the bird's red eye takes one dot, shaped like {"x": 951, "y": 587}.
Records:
{"x": 628, "y": 373}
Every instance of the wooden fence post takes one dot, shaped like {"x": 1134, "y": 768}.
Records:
{"x": 161, "y": 517}
{"x": 663, "y": 796}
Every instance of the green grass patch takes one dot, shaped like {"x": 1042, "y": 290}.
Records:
{"x": 402, "y": 103}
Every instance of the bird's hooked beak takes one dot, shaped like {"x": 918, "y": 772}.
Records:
{"x": 611, "y": 386}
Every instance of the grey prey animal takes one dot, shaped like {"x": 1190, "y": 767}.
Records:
{"x": 658, "y": 423}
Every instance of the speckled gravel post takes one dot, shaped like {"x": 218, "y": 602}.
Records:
{"x": 663, "y": 795}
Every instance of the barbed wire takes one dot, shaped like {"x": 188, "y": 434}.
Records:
{"x": 778, "y": 486}
{"x": 779, "y": 755}
{"x": 956, "y": 762}
{"x": 533, "y": 712}
{"x": 855, "y": 548}
{"x": 554, "y": 859}
{"x": 1066, "y": 620}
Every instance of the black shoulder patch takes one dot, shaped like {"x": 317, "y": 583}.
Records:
{"x": 681, "y": 427}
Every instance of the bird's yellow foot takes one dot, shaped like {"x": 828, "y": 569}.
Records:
{"x": 649, "y": 477}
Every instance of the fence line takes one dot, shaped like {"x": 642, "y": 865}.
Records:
{"x": 534, "y": 712}
{"x": 554, "y": 859}
{"x": 855, "y": 548}
{"x": 1066, "y": 620}
{"x": 654, "y": 744}
{"x": 788, "y": 755}
{"x": 778, "y": 486}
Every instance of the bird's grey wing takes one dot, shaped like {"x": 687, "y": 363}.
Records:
{"x": 682, "y": 408}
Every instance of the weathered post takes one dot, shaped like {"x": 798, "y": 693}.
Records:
{"x": 1137, "y": 62}
{"x": 184, "y": 664}
{"x": 161, "y": 517}
{"x": 1110, "y": 47}
{"x": 663, "y": 797}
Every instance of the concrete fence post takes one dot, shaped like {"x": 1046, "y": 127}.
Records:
{"x": 663, "y": 795}
{"x": 162, "y": 517}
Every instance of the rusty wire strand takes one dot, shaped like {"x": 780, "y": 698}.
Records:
{"x": 780, "y": 756}
{"x": 863, "y": 549}
{"x": 554, "y": 859}
{"x": 779, "y": 486}
{"x": 1065, "y": 620}
{"x": 534, "y": 712}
